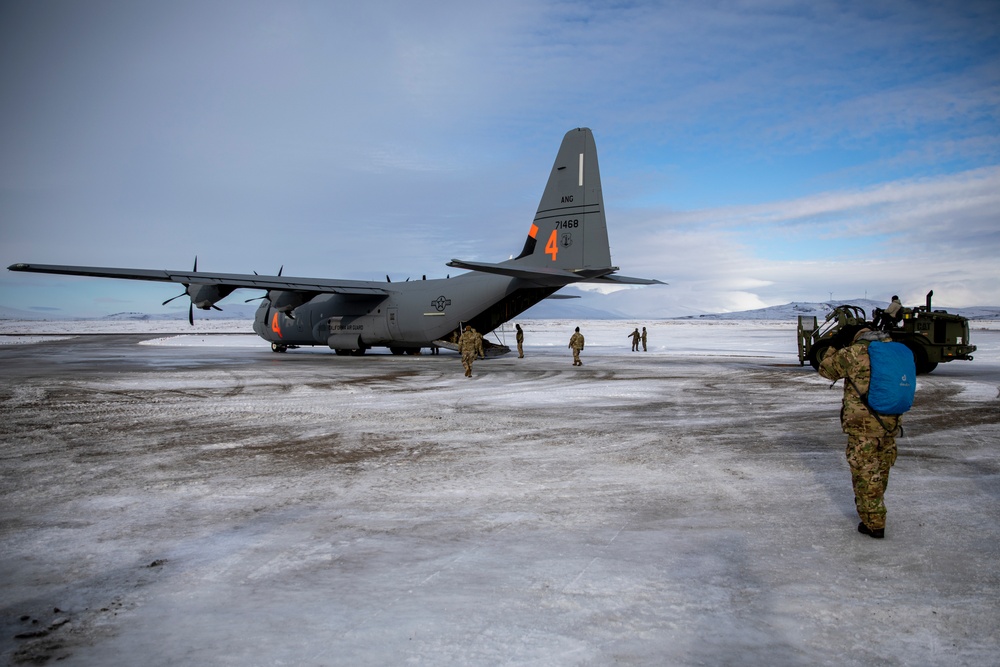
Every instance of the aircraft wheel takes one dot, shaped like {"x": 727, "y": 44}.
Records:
{"x": 397, "y": 350}
{"x": 357, "y": 353}
{"x": 341, "y": 353}
{"x": 277, "y": 347}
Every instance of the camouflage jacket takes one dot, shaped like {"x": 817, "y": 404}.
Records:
{"x": 470, "y": 342}
{"x": 576, "y": 341}
{"x": 852, "y": 363}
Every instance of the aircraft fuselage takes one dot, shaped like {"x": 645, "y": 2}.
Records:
{"x": 412, "y": 315}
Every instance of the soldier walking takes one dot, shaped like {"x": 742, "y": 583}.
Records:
{"x": 519, "y": 337}
{"x": 871, "y": 440}
{"x": 469, "y": 345}
{"x": 479, "y": 343}
{"x": 576, "y": 343}
{"x": 635, "y": 335}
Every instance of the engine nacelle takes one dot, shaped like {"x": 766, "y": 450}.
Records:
{"x": 285, "y": 301}
{"x": 206, "y": 296}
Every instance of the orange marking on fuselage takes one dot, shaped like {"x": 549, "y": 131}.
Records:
{"x": 274, "y": 326}
{"x": 533, "y": 231}
{"x": 552, "y": 247}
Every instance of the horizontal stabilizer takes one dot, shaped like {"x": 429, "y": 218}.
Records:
{"x": 625, "y": 280}
{"x": 553, "y": 276}
{"x": 535, "y": 273}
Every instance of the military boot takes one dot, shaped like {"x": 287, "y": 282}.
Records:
{"x": 877, "y": 533}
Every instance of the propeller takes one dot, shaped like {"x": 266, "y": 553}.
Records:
{"x": 203, "y": 296}
{"x": 185, "y": 293}
{"x": 258, "y": 298}
{"x": 271, "y": 295}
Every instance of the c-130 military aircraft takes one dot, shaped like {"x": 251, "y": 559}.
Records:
{"x": 566, "y": 244}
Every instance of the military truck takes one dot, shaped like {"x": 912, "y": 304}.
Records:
{"x": 934, "y": 336}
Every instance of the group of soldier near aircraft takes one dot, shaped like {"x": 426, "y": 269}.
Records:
{"x": 470, "y": 345}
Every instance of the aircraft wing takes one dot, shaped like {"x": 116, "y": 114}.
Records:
{"x": 233, "y": 280}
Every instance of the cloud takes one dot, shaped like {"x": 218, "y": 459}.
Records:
{"x": 905, "y": 237}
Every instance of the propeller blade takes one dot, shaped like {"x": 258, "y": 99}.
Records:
{"x": 191, "y": 314}
{"x": 174, "y": 297}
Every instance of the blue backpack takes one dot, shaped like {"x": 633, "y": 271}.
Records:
{"x": 894, "y": 378}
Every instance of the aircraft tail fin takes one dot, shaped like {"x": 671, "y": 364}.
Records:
{"x": 568, "y": 238}
{"x": 569, "y": 231}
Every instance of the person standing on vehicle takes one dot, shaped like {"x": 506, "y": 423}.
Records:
{"x": 871, "y": 440}
{"x": 576, "y": 343}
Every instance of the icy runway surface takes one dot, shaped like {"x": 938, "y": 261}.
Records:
{"x": 197, "y": 499}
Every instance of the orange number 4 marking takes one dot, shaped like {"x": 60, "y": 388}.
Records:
{"x": 274, "y": 326}
{"x": 552, "y": 247}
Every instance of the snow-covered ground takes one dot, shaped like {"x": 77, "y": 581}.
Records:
{"x": 197, "y": 499}
{"x": 678, "y": 336}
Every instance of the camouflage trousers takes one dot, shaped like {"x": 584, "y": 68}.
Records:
{"x": 870, "y": 459}
{"x": 467, "y": 359}
{"x": 576, "y": 357}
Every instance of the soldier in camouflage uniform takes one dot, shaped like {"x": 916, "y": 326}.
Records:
{"x": 469, "y": 345}
{"x": 479, "y": 343}
{"x": 520, "y": 342}
{"x": 635, "y": 335}
{"x": 576, "y": 342}
{"x": 871, "y": 447}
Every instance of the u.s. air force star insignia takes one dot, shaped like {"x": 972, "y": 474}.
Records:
{"x": 441, "y": 303}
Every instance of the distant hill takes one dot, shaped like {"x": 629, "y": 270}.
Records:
{"x": 624, "y": 306}
{"x": 230, "y": 311}
{"x": 234, "y": 311}
{"x": 19, "y": 314}
{"x": 791, "y": 311}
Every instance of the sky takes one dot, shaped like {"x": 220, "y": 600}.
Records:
{"x": 751, "y": 153}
